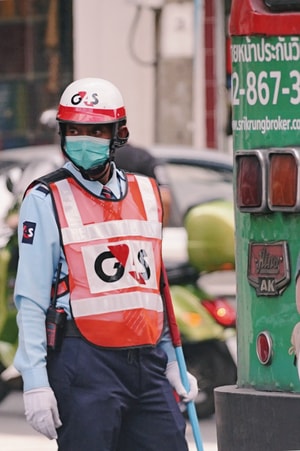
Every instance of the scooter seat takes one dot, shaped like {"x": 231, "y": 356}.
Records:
{"x": 181, "y": 273}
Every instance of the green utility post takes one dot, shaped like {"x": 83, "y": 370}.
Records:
{"x": 261, "y": 413}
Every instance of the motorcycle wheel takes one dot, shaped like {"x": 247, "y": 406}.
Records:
{"x": 4, "y": 389}
{"x": 15, "y": 383}
{"x": 211, "y": 363}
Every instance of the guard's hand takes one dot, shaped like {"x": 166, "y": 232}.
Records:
{"x": 173, "y": 376}
{"x": 41, "y": 411}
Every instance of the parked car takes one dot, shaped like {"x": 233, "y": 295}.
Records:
{"x": 194, "y": 177}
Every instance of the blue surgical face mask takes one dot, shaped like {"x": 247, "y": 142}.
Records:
{"x": 87, "y": 152}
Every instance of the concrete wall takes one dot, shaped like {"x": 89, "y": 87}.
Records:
{"x": 101, "y": 49}
{"x": 165, "y": 102}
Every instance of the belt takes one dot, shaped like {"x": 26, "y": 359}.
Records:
{"x": 71, "y": 329}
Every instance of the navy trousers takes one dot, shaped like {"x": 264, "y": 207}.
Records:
{"x": 114, "y": 400}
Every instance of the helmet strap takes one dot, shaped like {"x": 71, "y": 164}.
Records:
{"x": 96, "y": 173}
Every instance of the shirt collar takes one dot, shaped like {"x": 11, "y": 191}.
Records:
{"x": 94, "y": 186}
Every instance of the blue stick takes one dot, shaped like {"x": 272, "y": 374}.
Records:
{"x": 190, "y": 405}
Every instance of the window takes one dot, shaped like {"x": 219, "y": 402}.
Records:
{"x": 283, "y": 5}
{"x": 192, "y": 184}
{"x": 36, "y": 64}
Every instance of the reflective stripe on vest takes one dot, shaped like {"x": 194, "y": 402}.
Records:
{"x": 113, "y": 251}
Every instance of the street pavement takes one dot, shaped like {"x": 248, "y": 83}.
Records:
{"x": 17, "y": 435}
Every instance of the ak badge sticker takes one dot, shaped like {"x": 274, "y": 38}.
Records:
{"x": 268, "y": 267}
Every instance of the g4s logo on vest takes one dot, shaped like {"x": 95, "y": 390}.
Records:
{"x": 120, "y": 265}
{"x": 121, "y": 253}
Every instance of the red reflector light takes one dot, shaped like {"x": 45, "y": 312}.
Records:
{"x": 283, "y": 178}
{"x": 223, "y": 312}
{"x": 264, "y": 348}
{"x": 249, "y": 181}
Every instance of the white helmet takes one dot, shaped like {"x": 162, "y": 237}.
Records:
{"x": 91, "y": 101}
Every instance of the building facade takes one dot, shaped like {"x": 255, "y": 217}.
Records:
{"x": 167, "y": 57}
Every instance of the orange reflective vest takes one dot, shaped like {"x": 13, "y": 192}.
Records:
{"x": 113, "y": 251}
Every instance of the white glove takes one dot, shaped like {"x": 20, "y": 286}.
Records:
{"x": 173, "y": 376}
{"x": 41, "y": 411}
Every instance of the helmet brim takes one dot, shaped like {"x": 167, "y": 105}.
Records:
{"x": 90, "y": 115}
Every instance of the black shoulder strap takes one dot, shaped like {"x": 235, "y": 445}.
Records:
{"x": 62, "y": 286}
{"x": 53, "y": 177}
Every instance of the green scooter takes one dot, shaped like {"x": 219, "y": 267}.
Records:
{"x": 207, "y": 323}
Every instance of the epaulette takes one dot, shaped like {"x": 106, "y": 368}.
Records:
{"x": 42, "y": 189}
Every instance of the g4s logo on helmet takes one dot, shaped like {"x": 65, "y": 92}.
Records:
{"x": 82, "y": 96}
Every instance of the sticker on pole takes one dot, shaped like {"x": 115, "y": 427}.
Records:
{"x": 268, "y": 268}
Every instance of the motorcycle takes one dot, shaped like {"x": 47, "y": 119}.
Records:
{"x": 207, "y": 322}
{"x": 207, "y": 326}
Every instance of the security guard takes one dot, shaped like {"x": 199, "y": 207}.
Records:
{"x": 95, "y": 353}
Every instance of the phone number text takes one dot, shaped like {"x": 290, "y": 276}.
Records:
{"x": 266, "y": 88}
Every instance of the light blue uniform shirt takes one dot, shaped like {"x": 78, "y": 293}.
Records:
{"x": 38, "y": 262}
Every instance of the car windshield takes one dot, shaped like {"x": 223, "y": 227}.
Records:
{"x": 192, "y": 185}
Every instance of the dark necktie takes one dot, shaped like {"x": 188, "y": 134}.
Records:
{"x": 106, "y": 192}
